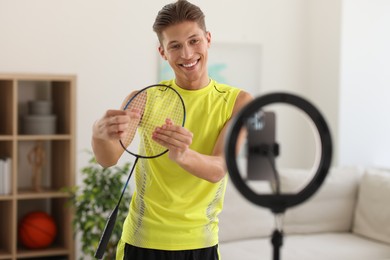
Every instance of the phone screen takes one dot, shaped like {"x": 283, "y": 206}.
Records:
{"x": 260, "y": 138}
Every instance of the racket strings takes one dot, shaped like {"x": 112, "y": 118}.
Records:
{"x": 155, "y": 104}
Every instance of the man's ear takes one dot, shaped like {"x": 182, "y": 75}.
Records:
{"x": 162, "y": 52}
{"x": 208, "y": 37}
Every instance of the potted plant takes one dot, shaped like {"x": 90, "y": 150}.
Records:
{"x": 93, "y": 202}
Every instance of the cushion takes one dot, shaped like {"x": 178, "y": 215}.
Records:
{"x": 325, "y": 246}
{"x": 241, "y": 219}
{"x": 372, "y": 217}
{"x": 330, "y": 209}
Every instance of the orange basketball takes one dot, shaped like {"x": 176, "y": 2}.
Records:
{"x": 37, "y": 230}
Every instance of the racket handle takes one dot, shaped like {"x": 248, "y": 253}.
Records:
{"x": 105, "y": 238}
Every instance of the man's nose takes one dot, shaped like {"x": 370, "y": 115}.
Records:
{"x": 187, "y": 52}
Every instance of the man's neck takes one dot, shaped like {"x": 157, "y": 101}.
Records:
{"x": 193, "y": 85}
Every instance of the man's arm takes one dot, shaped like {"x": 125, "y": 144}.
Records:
{"x": 178, "y": 139}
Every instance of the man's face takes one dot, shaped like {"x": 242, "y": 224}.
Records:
{"x": 185, "y": 47}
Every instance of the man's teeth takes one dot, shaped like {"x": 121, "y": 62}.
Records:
{"x": 190, "y": 65}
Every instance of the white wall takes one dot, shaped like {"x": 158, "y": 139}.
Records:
{"x": 108, "y": 45}
{"x": 323, "y": 65}
{"x": 112, "y": 49}
{"x": 365, "y": 83}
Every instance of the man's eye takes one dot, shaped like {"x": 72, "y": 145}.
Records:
{"x": 176, "y": 46}
{"x": 194, "y": 41}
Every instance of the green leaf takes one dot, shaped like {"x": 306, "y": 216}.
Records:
{"x": 94, "y": 200}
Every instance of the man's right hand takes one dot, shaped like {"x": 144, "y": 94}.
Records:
{"x": 115, "y": 123}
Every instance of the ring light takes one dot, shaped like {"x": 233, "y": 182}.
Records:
{"x": 278, "y": 203}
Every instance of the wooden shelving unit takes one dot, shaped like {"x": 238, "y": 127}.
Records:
{"x": 58, "y": 170}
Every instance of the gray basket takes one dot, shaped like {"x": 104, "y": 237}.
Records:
{"x": 39, "y": 120}
{"x": 39, "y": 124}
{"x": 40, "y": 107}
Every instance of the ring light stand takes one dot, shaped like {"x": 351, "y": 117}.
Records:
{"x": 278, "y": 203}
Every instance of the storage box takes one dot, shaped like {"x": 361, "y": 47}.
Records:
{"x": 39, "y": 124}
{"x": 40, "y": 107}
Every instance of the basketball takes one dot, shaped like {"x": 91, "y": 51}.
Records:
{"x": 37, "y": 230}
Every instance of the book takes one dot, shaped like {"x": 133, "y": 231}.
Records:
{"x": 5, "y": 175}
{"x": 2, "y": 177}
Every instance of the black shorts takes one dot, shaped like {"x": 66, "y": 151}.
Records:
{"x": 137, "y": 253}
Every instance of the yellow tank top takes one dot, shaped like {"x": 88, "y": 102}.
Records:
{"x": 170, "y": 208}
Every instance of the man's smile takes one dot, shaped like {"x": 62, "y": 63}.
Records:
{"x": 190, "y": 65}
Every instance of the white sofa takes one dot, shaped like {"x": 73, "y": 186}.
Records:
{"x": 347, "y": 219}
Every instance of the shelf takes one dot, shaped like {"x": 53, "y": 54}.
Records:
{"x": 51, "y": 251}
{"x": 43, "y": 137}
{"x": 6, "y": 137}
{"x": 6, "y": 197}
{"x": 5, "y": 255}
{"x": 7, "y": 108}
{"x": 34, "y": 151}
{"x": 29, "y": 194}
{"x": 6, "y": 224}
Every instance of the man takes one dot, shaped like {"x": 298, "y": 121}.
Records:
{"x": 174, "y": 215}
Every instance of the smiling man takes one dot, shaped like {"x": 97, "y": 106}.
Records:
{"x": 185, "y": 46}
{"x": 178, "y": 197}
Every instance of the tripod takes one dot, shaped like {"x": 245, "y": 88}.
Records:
{"x": 277, "y": 236}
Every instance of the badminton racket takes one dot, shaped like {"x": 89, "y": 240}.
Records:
{"x": 155, "y": 103}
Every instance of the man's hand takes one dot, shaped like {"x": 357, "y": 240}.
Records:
{"x": 175, "y": 138}
{"x": 115, "y": 123}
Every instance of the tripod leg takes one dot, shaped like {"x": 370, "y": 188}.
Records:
{"x": 277, "y": 242}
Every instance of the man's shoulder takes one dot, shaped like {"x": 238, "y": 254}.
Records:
{"x": 225, "y": 87}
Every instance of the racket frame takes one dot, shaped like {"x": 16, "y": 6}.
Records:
{"x": 138, "y": 93}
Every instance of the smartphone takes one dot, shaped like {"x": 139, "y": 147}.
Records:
{"x": 261, "y": 146}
